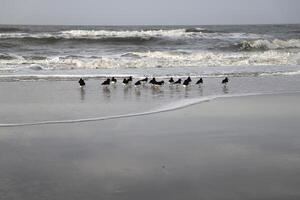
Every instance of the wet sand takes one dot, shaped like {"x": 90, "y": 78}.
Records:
{"x": 230, "y": 148}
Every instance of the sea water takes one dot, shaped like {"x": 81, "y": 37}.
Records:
{"x": 258, "y": 59}
{"x": 64, "y": 51}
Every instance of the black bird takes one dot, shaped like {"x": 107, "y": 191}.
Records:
{"x": 171, "y": 81}
{"x": 178, "y": 81}
{"x": 153, "y": 81}
{"x": 145, "y": 80}
{"x": 81, "y": 82}
{"x": 159, "y": 82}
{"x": 138, "y": 83}
{"x": 200, "y": 81}
{"x": 225, "y": 80}
{"x": 113, "y": 80}
{"x": 125, "y": 81}
{"x": 106, "y": 82}
{"x": 187, "y": 81}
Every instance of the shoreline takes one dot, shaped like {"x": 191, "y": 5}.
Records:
{"x": 138, "y": 73}
{"x": 165, "y": 108}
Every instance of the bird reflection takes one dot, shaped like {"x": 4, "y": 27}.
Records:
{"x": 106, "y": 91}
{"x": 187, "y": 91}
{"x": 201, "y": 90}
{"x": 127, "y": 90}
{"x": 137, "y": 91}
{"x": 82, "y": 93}
{"x": 225, "y": 89}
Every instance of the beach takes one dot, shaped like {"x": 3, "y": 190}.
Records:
{"x": 211, "y": 141}
{"x": 225, "y": 148}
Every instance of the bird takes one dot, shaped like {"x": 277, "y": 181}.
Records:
{"x": 171, "y": 81}
{"x": 138, "y": 83}
{"x": 178, "y": 81}
{"x": 159, "y": 82}
{"x": 125, "y": 81}
{"x": 145, "y": 80}
{"x": 81, "y": 82}
{"x": 113, "y": 80}
{"x": 225, "y": 80}
{"x": 200, "y": 81}
{"x": 187, "y": 81}
{"x": 106, "y": 82}
{"x": 152, "y": 81}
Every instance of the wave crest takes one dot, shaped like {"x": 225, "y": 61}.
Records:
{"x": 153, "y": 59}
{"x": 126, "y": 35}
{"x": 269, "y": 45}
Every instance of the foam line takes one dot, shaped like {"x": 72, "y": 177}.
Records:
{"x": 166, "y": 108}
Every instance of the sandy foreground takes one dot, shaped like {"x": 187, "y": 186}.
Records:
{"x": 228, "y": 148}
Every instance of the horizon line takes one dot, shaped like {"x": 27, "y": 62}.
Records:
{"x": 246, "y": 24}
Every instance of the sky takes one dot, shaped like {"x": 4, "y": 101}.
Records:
{"x": 149, "y": 12}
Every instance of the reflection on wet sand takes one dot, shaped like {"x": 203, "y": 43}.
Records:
{"x": 82, "y": 93}
{"x": 106, "y": 91}
{"x": 225, "y": 89}
{"x": 207, "y": 151}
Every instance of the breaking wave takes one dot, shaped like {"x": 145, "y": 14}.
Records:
{"x": 31, "y": 49}
{"x": 269, "y": 45}
{"x": 152, "y": 59}
{"x": 238, "y": 41}
{"x": 123, "y": 36}
{"x": 200, "y": 30}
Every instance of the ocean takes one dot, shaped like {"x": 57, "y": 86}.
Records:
{"x": 37, "y": 52}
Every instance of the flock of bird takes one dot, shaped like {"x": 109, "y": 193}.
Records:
{"x": 153, "y": 81}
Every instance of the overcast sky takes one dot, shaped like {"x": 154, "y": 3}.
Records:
{"x": 149, "y": 12}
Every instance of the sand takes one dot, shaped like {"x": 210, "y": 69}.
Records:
{"x": 228, "y": 148}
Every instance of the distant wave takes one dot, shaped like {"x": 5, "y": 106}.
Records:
{"x": 53, "y": 40}
{"x": 123, "y": 36}
{"x": 223, "y": 41}
{"x": 200, "y": 30}
{"x": 97, "y": 34}
{"x": 269, "y": 44}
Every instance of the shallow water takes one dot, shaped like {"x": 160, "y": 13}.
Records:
{"x": 39, "y": 101}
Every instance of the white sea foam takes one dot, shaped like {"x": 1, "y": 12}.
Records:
{"x": 198, "y": 47}
{"x": 158, "y": 59}
{"x": 144, "y": 34}
{"x": 273, "y": 44}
